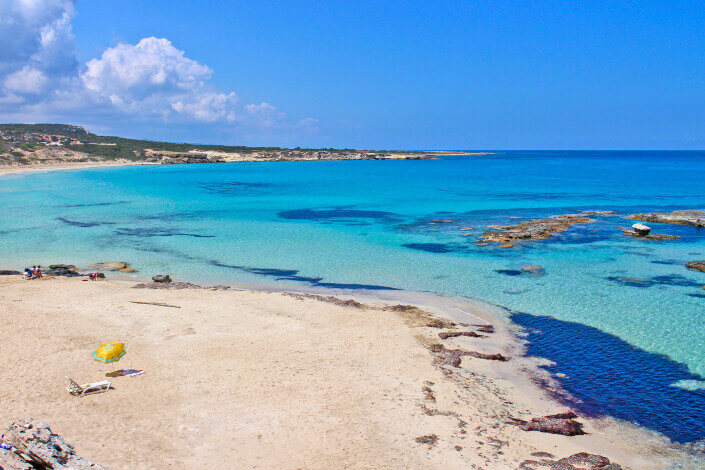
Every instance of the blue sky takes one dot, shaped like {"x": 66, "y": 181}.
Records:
{"x": 367, "y": 74}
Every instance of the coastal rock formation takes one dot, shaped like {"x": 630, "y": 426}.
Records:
{"x": 641, "y": 229}
{"x": 579, "y": 461}
{"x": 11, "y": 461}
{"x": 68, "y": 270}
{"x": 455, "y": 334}
{"x": 688, "y": 217}
{"x": 35, "y": 443}
{"x": 536, "y": 229}
{"x": 646, "y": 235}
{"x": 120, "y": 266}
{"x": 453, "y": 357}
{"x": 162, "y": 278}
{"x": 6, "y": 272}
{"x": 561, "y": 423}
{"x": 696, "y": 265}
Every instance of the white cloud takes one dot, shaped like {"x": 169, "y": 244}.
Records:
{"x": 154, "y": 76}
{"x": 26, "y": 80}
{"x": 40, "y": 77}
{"x": 37, "y": 43}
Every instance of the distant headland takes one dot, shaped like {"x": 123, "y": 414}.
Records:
{"x": 38, "y": 146}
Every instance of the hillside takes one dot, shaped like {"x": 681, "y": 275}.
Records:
{"x": 46, "y": 144}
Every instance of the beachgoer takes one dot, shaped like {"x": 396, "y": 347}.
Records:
{"x": 38, "y": 274}
{"x": 28, "y": 273}
{"x": 94, "y": 276}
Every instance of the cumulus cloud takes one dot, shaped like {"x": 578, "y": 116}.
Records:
{"x": 37, "y": 43}
{"x": 154, "y": 76}
{"x": 40, "y": 75}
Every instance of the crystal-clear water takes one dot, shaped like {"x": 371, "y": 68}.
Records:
{"x": 633, "y": 349}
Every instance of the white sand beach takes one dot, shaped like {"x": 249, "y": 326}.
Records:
{"x": 250, "y": 379}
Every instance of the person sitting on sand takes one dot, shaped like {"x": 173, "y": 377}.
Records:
{"x": 94, "y": 276}
{"x": 28, "y": 273}
{"x": 38, "y": 272}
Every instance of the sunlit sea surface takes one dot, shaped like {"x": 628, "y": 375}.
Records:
{"x": 634, "y": 349}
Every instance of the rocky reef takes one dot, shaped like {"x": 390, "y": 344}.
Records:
{"x": 535, "y": 229}
{"x": 30, "y": 444}
{"x": 685, "y": 217}
{"x": 696, "y": 265}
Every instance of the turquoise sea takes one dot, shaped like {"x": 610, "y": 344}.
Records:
{"x": 634, "y": 349}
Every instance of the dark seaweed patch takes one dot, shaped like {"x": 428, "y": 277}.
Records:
{"x": 609, "y": 376}
{"x": 510, "y": 272}
{"x": 697, "y": 296}
{"x": 293, "y": 275}
{"x": 95, "y": 204}
{"x": 233, "y": 188}
{"x": 156, "y": 232}
{"x": 338, "y": 215}
{"x": 76, "y": 223}
{"x": 668, "y": 280}
{"x": 431, "y": 247}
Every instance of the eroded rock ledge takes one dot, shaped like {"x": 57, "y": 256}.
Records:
{"x": 536, "y": 229}
{"x": 686, "y": 217}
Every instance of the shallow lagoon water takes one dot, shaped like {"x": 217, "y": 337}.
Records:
{"x": 631, "y": 348}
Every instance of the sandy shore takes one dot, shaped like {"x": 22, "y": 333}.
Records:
{"x": 9, "y": 169}
{"x": 251, "y": 379}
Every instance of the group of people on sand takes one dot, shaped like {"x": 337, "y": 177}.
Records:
{"x": 35, "y": 272}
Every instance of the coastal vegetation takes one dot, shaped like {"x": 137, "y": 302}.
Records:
{"x": 59, "y": 143}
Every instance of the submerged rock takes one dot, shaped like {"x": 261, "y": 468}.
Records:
{"x": 162, "y": 278}
{"x": 696, "y": 265}
{"x": 687, "y": 217}
{"x": 121, "y": 266}
{"x": 35, "y": 443}
{"x": 532, "y": 268}
{"x": 536, "y": 229}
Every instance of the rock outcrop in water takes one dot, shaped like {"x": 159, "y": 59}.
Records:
{"x": 641, "y": 229}
{"x": 120, "y": 266}
{"x": 68, "y": 270}
{"x": 688, "y": 217}
{"x": 696, "y": 265}
{"x": 648, "y": 236}
{"x": 536, "y": 229}
{"x": 33, "y": 445}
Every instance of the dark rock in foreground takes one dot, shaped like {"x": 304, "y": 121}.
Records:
{"x": 9, "y": 273}
{"x": 35, "y": 443}
{"x": 690, "y": 217}
{"x": 579, "y": 461}
{"x": 162, "y": 278}
{"x": 453, "y": 357}
{"x": 696, "y": 265}
{"x": 562, "y": 423}
{"x": 68, "y": 270}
